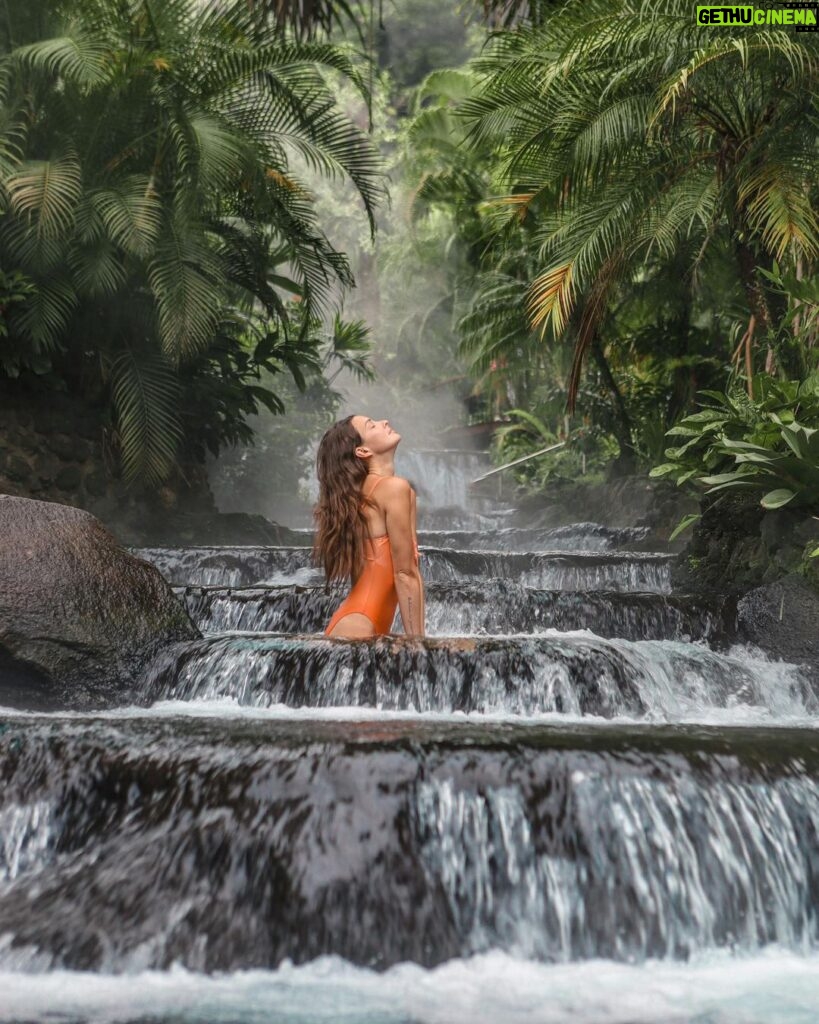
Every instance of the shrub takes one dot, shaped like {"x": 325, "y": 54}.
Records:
{"x": 768, "y": 444}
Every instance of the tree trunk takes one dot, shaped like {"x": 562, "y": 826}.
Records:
{"x": 622, "y": 422}
{"x": 754, "y": 292}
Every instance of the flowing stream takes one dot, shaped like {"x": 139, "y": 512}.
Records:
{"x": 583, "y": 808}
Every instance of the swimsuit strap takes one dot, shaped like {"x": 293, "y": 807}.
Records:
{"x": 383, "y": 536}
{"x": 377, "y": 482}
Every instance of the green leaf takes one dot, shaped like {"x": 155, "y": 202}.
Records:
{"x": 755, "y": 457}
{"x": 132, "y": 213}
{"x": 683, "y": 524}
{"x": 683, "y": 431}
{"x": 706, "y": 416}
{"x": 81, "y": 58}
{"x": 48, "y": 191}
{"x": 778, "y": 498}
{"x": 742, "y": 446}
{"x": 726, "y": 478}
{"x": 735, "y": 485}
{"x": 145, "y": 392}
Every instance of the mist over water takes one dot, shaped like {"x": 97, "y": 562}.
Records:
{"x": 403, "y": 296}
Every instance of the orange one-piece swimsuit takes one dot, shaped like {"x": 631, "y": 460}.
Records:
{"x": 373, "y": 594}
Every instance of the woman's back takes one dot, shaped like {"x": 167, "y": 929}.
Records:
{"x": 373, "y": 595}
{"x": 366, "y": 529}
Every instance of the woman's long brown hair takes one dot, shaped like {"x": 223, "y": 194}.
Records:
{"x": 340, "y": 522}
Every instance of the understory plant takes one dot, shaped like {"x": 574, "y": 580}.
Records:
{"x": 768, "y": 443}
{"x": 586, "y": 451}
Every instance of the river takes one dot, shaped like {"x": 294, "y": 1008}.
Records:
{"x": 585, "y": 808}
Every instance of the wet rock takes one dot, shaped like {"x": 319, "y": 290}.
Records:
{"x": 147, "y": 527}
{"x": 623, "y": 502}
{"x": 75, "y": 609}
{"x": 17, "y": 469}
{"x": 64, "y": 447}
{"x": 47, "y": 469}
{"x": 234, "y": 845}
{"x": 68, "y": 479}
{"x": 96, "y": 484}
{"x": 783, "y": 619}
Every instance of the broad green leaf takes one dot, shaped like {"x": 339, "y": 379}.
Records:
{"x": 724, "y": 478}
{"x": 706, "y": 416}
{"x": 754, "y": 458}
{"x": 778, "y": 498}
{"x": 743, "y": 446}
{"x": 735, "y": 485}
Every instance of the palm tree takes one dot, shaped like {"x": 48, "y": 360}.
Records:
{"x": 148, "y": 192}
{"x": 627, "y": 131}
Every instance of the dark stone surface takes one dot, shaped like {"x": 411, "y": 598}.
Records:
{"x": 65, "y": 448}
{"x": 69, "y": 478}
{"x": 76, "y": 611}
{"x": 17, "y": 469}
{"x": 96, "y": 484}
{"x": 178, "y": 529}
{"x": 625, "y": 501}
{"x": 756, "y": 563}
{"x": 782, "y": 618}
{"x": 737, "y": 545}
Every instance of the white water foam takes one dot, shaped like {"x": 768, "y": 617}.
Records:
{"x": 228, "y": 708}
{"x": 771, "y": 987}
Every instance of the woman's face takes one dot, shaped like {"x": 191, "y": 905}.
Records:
{"x": 376, "y": 435}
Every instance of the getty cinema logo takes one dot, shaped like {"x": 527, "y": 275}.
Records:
{"x": 804, "y": 17}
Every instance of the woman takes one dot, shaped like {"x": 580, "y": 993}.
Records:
{"x": 365, "y": 529}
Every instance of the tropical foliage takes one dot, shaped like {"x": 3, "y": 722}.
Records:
{"x": 768, "y": 445}
{"x": 629, "y": 133}
{"x": 267, "y": 466}
{"x": 148, "y": 198}
{"x": 607, "y": 211}
{"x": 634, "y": 201}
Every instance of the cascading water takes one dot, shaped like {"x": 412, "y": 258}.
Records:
{"x": 583, "y": 796}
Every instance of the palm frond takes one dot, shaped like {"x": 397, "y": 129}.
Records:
{"x": 780, "y": 210}
{"x": 46, "y": 312}
{"x": 82, "y": 58}
{"x": 186, "y": 281}
{"x": 145, "y": 393}
{"x": 131, "y": 212}
{"x": 47, "y": 192}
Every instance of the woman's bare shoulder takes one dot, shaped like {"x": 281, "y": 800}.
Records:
{"x": 397, "y": 486}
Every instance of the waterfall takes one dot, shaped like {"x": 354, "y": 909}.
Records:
{"x": 575, "y": 788}
{"x": 548, "y": 844}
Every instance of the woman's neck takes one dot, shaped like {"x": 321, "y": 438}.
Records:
{"x": 381, "y": 465}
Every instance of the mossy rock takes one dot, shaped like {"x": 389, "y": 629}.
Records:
{"x": 76, "y": 610}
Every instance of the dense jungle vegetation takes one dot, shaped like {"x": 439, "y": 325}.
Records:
{"x": 603, "y": 226}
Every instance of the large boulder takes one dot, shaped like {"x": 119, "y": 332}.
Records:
{"x": 79, "y": 617}
{"x": 783, "y": 619}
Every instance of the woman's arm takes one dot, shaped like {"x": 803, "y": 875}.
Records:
{"x": 414, "y": 510}
{"x": 398, "y": 496}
